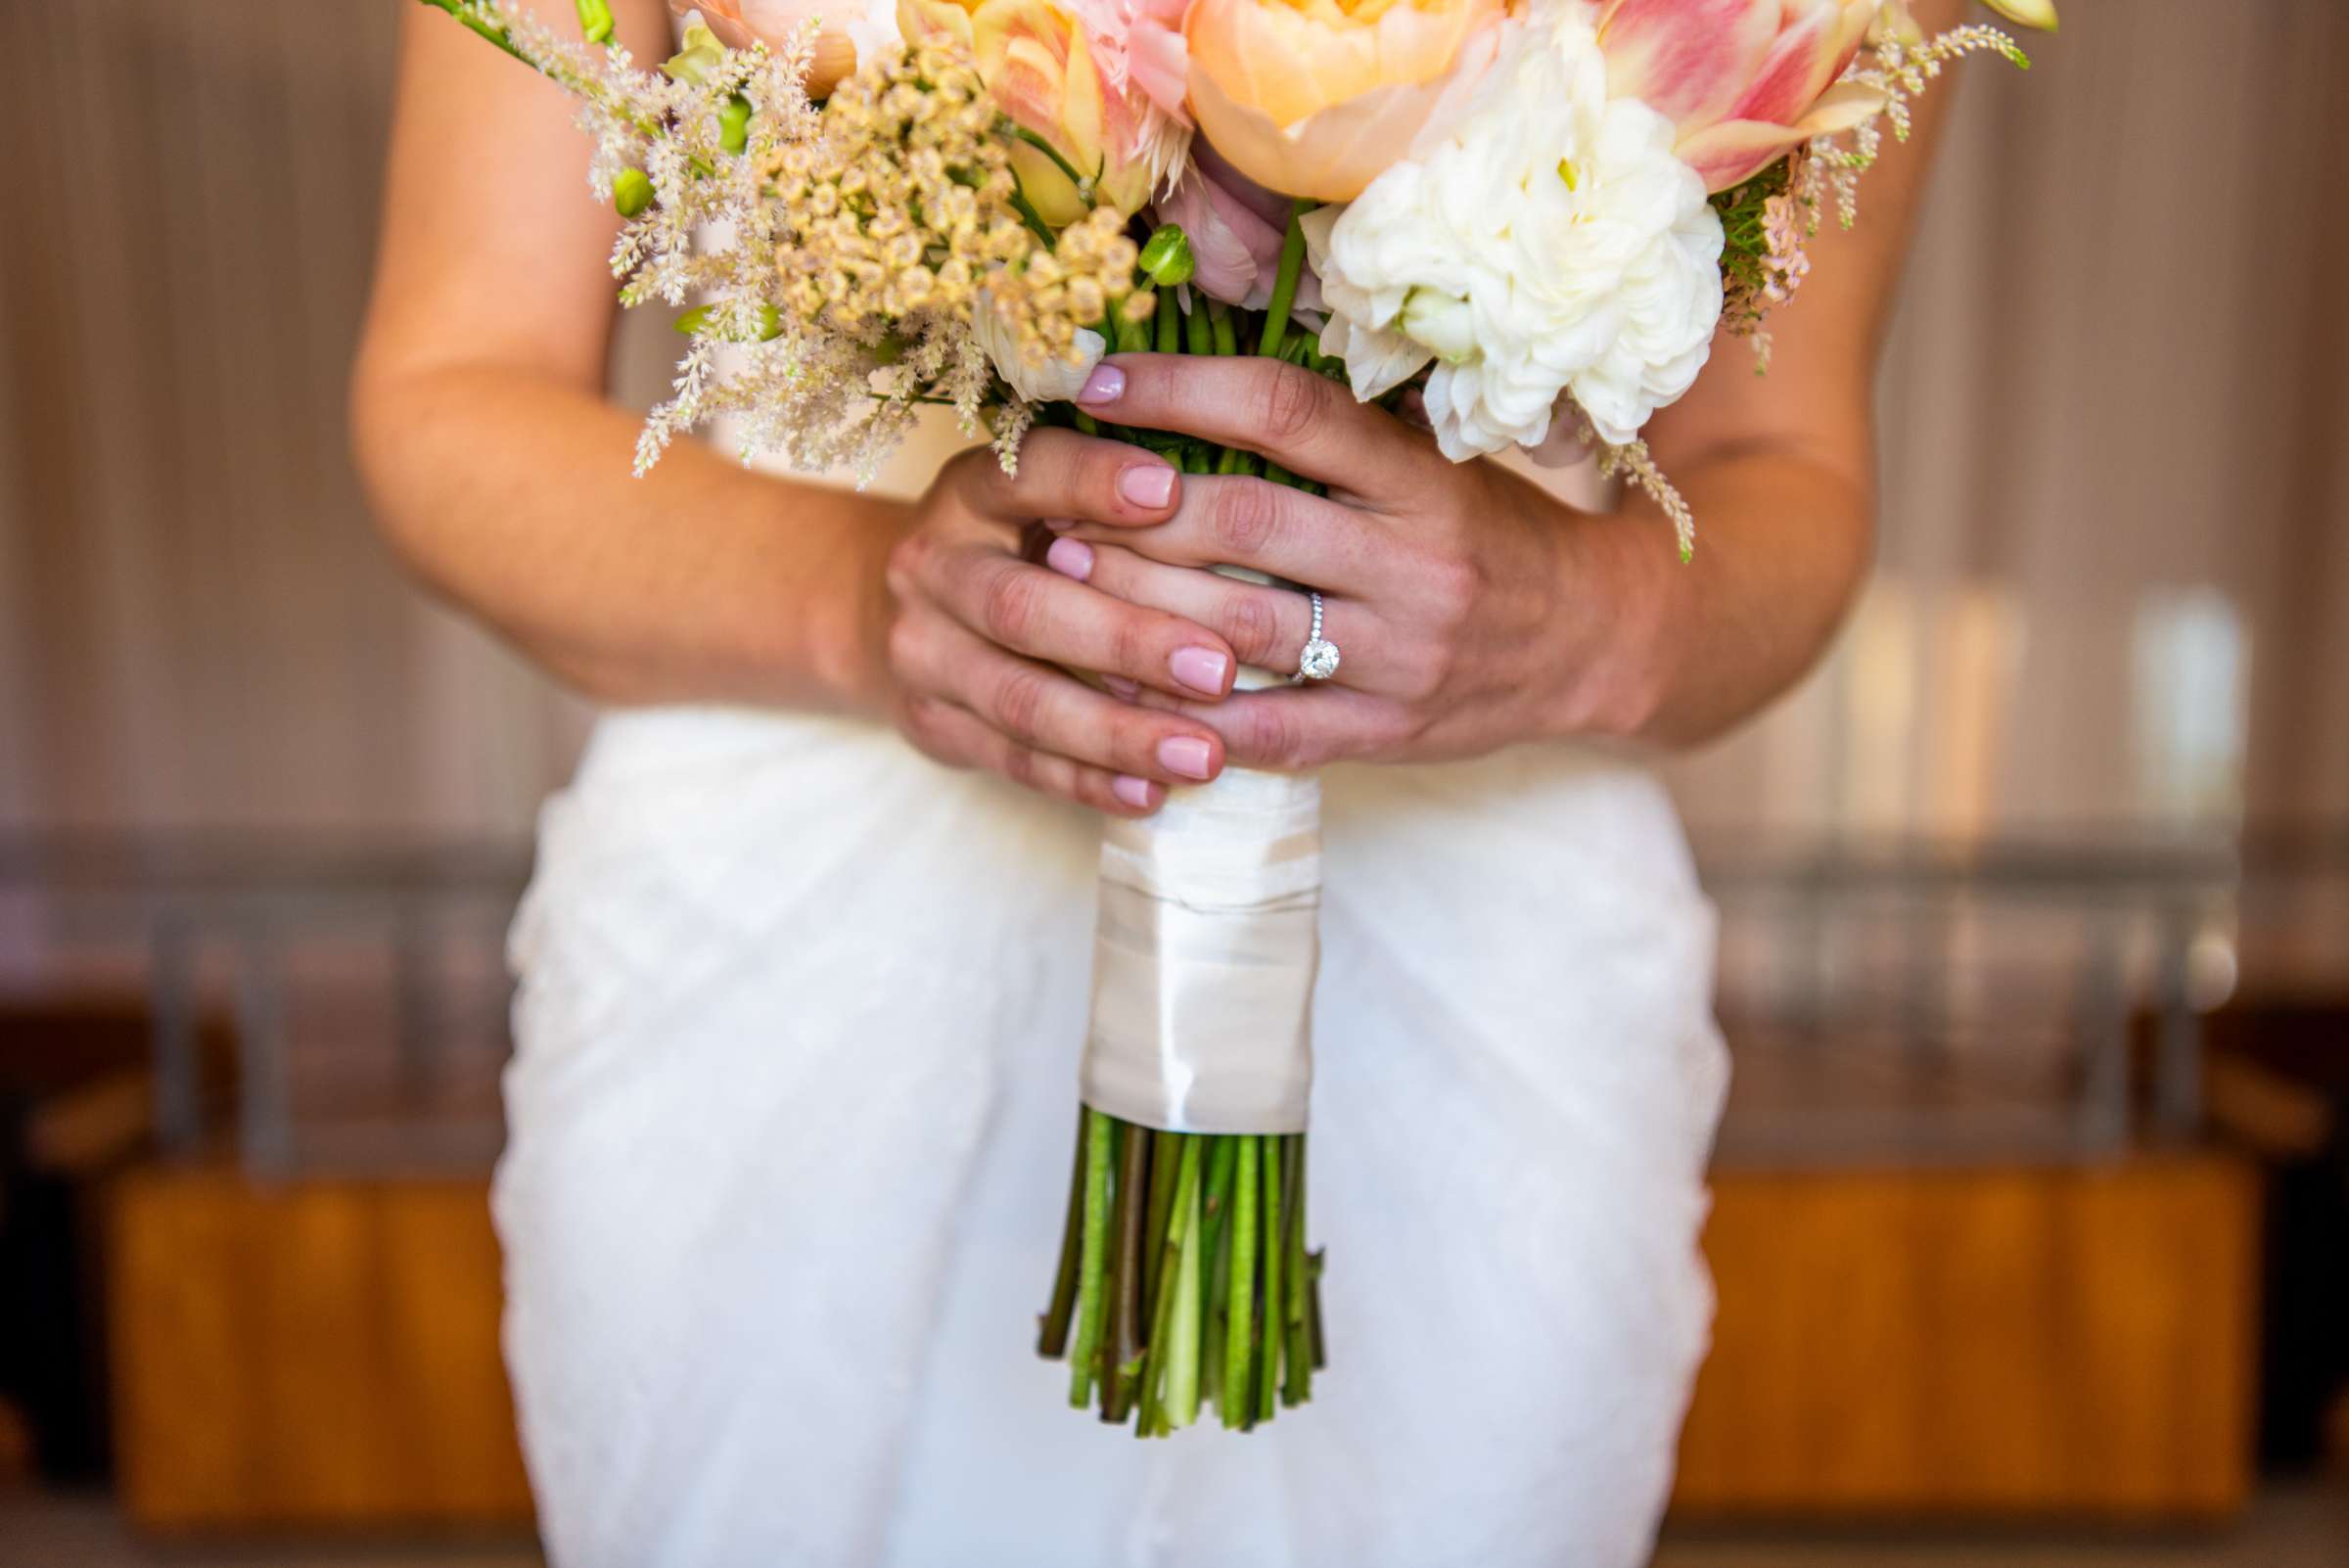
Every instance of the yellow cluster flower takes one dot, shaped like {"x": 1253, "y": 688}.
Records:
{"x": 904, "y": 204}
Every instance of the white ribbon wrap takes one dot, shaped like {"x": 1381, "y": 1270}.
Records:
{"x": 1204, "y": 960}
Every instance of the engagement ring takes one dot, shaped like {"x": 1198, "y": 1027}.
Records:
{"x": 1320, "y": 660}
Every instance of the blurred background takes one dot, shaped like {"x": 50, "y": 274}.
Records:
{"x": 2032, "y": 1226}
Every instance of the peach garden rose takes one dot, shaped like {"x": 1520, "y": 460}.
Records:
{"x": 1317, "y": 98}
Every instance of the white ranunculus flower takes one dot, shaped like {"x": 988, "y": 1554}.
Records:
{"x": 1544, "y": 242}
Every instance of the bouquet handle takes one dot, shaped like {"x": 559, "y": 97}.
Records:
{"x": 1204, "y": 960}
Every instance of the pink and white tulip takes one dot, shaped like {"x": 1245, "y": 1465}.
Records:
{"x": 1141, "y": 44}
{"x": 1745, "y": 81}
{"x": 1062, "y": 71}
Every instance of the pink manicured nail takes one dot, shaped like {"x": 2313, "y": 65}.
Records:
{"x": 1120, "y": 686}
{"x": 1137, "y": 793}
{"x": 1200, "y": 668}
{"x": 1106, "y": 384}
{"x": 1070, "y": 558}
{"x": 1150, "y": 484}
{"x": 1185, "y": 755}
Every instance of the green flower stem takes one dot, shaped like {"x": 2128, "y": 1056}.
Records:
{"x": 1094, "y": 1257}
{"x": 1216, "y": 1259}
{"x": 1314, "y": 1263}
{"x": 1240, "y": 1303}
{"x": 1300, "y": 1385}
{"x": 1033, "y": 220}
{"x": 1083, "y": 184}
{"x": 1182, "y": 1189}
{"x": 1222, "y": 1154}
{"x": 1052, "y": 1327}
{"x": 1166, "y": 1152}
{"x": 472, "y": 16}
{"x": 1170, "y": 323}
{"x": 1284, "y": 283}
{"x": 1121, "y": 1301}
{"x": 1223, "y": 329}
{"x": 1182, "y": 1354}
{"x": 1268, "y": 1347}
{"x": 1159, "y": 1262}
{"x": 1193, "y": 336}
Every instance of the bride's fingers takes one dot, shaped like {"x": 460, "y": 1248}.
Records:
{"x": 1031, "y": 610}
{"x": 1299, "y": 729}
{"x": 1307, "y": 423}
{"x": 1063, "y": 473}
{"x": 1283, "y": 532}
{"x": 960, "y": 738}
{"x": 1265, "y": 626}
{"x": 1050, "y": 711}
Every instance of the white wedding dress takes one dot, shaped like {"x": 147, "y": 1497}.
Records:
{"x": 790, "y": 1125}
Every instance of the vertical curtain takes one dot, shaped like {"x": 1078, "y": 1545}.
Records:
{"x": 197, "y": 626}
{"x": 2114, "y": 549}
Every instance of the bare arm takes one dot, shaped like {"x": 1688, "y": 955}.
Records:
{"x": 1780, "y": 470}
{"x": 502, "y": 474}
{"x": 499, "y": 471}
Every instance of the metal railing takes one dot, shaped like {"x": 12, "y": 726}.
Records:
{"x": 1988, "y": 999}
{"x": 2084, "y": 966}
{"x": 238, "y": 911}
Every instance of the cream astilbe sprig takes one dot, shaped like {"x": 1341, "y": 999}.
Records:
{"x": 1900, "y": 63}
{"x": 1769, "y": 220}
{"x": 709, "y": 216}
{"x": 1904, "y": 64}
{"x": 1633, "y": 461}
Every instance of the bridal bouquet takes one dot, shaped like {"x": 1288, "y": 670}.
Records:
{"x": 1519, "y": 221}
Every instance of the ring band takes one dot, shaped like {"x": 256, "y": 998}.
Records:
{"x": 1320, "y": 659}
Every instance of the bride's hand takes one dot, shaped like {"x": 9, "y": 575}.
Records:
{"x": 976, "y": 634}
{"x": 1471, "y": 609}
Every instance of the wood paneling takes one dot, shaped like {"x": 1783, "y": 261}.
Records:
{"x": 1960, "y": 1343}
{"x": 320, "y": 1352}
{"x": 2057, "y": 1340}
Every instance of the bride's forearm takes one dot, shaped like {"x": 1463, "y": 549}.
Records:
{"x": 1784, "y": 541}
{"x": 508, "y": 491}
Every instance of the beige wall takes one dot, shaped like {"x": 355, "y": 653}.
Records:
{"x": 2117, "y": 382}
